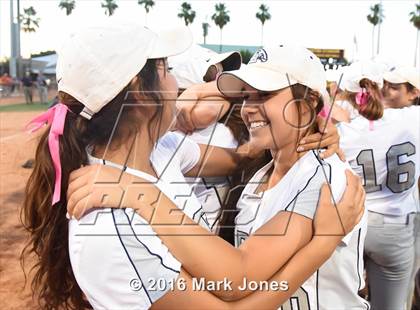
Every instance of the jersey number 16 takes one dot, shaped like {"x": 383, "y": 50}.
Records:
{"x": 395, "y": 169}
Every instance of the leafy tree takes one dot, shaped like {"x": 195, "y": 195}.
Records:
{"x": 221, "y": 18}
{"x": 187, "y": 14}
{"x": 110, "y": 6}
{"x": 263, "y": 15}
{"x": 67, "y": 5}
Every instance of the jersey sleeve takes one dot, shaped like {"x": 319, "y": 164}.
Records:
{"x": 306, "y": 200}
{"x": 187, "y": 151}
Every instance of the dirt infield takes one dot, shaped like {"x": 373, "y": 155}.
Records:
{"x": 15, "y": 147}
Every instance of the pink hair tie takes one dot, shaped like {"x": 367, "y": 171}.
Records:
{"x": 56, "y": 117}
{"x": 362, "y": 98}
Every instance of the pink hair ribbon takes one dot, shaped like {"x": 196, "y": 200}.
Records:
{"x": 56, "y": 117}
{"x": 362, "y": 98}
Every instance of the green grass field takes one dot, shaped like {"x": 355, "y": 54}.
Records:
{"x": 22, "y": 107}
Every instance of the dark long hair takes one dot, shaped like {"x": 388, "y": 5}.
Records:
{"x": 248, "y": 168}
{"x": 54, "y": 284}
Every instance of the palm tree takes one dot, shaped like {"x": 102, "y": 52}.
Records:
{"x": 205, "y": 26}
{"x": 221, "y": 18}
{"x": 187, "y": 13}
{"x": 67, "y": 5}
{"x": 263, "y": 15}
{"x": 375, "y": 18}
{"x": 148, "y": 4}
{"x": 29, "y": 20}
{"x": 415, "y": 19}
{"x": 110, "y": 6}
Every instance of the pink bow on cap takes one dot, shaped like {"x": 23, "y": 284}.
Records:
{"x": 56, "y": 117}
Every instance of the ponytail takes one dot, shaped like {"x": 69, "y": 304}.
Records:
{"x": 369, "y": 101}
{"x": 53, "y": 281}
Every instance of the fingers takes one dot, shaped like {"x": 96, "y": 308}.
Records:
{"x": 76, "y": 185}
{"x": 317, "y": 139}
{"x": 87, "y": 198}
{"x": 80, "y": 208}
{"x": 329, "y": 142}
{"x": 76, "y": 197}
{"x": 81, "y": 172}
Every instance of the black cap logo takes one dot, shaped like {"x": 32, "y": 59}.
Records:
{"x": 259, "y": 56}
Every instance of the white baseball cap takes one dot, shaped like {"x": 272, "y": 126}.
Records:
{"x": 97, "y": 61}
{"x": 190, "y": 67}
{"x": 275, "y": 68}
{"x": 404, "y": 74}
{"x": 357, "y": 71}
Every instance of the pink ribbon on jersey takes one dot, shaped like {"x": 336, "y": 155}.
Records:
{"x": 56, "y": 117}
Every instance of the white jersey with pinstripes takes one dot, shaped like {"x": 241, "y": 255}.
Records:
{"x": 116, "y": 257}
{"x": 385, "y": 154}
{"x": 336, "y": 284}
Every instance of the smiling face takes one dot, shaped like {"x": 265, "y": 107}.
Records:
{"x": 276, "y": 120}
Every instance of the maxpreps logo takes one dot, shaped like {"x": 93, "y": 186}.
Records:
{"x": 259, "y": 56}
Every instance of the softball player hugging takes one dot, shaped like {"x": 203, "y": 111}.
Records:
{"x": 115, "y": 111}
{"x": 281, "y": 237}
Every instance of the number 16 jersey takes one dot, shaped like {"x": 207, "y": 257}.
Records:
{"x": 385, "y": 154}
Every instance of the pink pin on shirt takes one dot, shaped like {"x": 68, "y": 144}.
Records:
{"x": 56, "y": 117}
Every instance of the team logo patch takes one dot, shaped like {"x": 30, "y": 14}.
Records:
{"x": 259, "y": 56}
